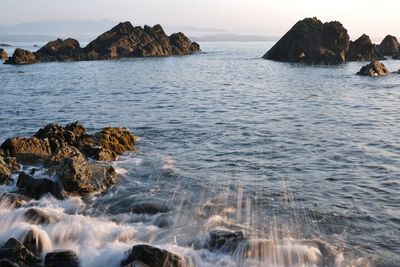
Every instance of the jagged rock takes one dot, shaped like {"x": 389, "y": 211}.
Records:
{"x": 27, "y": 150}
{"x": 36, "y": 216}
{"x": 124, "y": 40}
{"x": 226, "y": 241}
{"x": 152, "y": 257}
{"x": 149, "y": 208}
{"x": 12, "y": 164}
{"x": 8, "y": 263}
{"x": 389, "y": 46}
{"x": 118, "y": 140}
{"x": 99, "y": 153}
{"x": 22, "y": 57}
{"x": 363, "y": 49}
{"x": 3, "y": 54}
{"x": 311, "y": 41}
{"x": 59, "y": 136}
{"x": 103, "y": 176}
{"x": 62, "y": 153}
{"x": 5, "y": 173}
{"x": 36, "y": 188}
{"x": 60, "y": 50}
{"x": 14, "y": 251}
{"x": 65, "y": 258}
{"x": 373, "y": 69}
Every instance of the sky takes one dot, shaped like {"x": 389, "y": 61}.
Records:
{"x": 262, "y": 17}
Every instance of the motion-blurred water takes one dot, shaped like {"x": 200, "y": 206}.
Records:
{"x": 304, "y": 159}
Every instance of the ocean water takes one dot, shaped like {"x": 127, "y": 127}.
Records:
{"x": 305, "y": 160}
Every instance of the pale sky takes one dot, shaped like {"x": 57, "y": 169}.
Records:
{"x": 265, "y": 17}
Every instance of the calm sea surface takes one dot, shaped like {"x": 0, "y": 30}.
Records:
{"x": 304, "y": 159}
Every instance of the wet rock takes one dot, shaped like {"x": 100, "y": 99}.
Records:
{"x": 60, "y": 137}
{"x": 226, "y": 241}
{"x": 5, "y": 173}
{"x": 181, "y": 45}
{"x": 3, "y": 54}
{"x": 102, "y": 154}
{"x": 11, "y": 200}
{"x": 103, "y": 176}
{"x": 311, "y": 41}
{"x": 36, "y": 188}
{"x": 60, "y": 50}
{"x": 12, "y": 164}
{"x": 152, "y": 257}
{"x": 389, "y": 46}
{"x": 118, "y": 140}
{"x": 15, "y": 251}
{"x": 33, "y": 242}
{"x": 65, "y": 258}
{"x": 8, "y": 263}
{"x": 149, "y": 208}
{"x": 164, "y": 220}
{"x": 27, "y": 150}
{"x": 22, "y": 57}
{"x": 363, "y": 49}
{"x": 36, "y": 216}
{"x": 374, "y": 69}
{"x": 62, "y": 153}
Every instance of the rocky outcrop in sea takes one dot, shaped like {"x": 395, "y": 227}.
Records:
{"x": 122, "y": 41}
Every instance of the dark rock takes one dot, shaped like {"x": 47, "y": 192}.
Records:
{"x": 5, "y": 173}
{"x": 27, "y": 150}
{"x": 8, "y": 263}
{"x": 5, "y": 45}
{"x": 12, "y": 200}
{"x": 363, "y": 49}
{"x": 14, "y": 251}
{"x": 149, "y": 208}
{"x": 36, "y": 188}
{"x": 373, "y": 69}
{"x": 66, "y": 258}
{"x": 311, "y": 41}
{"x": 21, "y": 57}
{"x": 60, "y": 50}
{"x": 226, "y": 241}
{"x": 397, "y": 72}
{"x": 152, "y": 257}
{"x": 62, "y": 153}
{"x": 181, "y": 45}
{"x": 36, "y": 216}
{"x": 118, "y": 140}
{"x": 3, "y": 54}
{"x": 60, "y": 137}
{"x": 33, "y": 242}
{"x": 389, "y": 46}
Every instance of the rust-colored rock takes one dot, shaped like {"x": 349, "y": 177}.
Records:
{"x": 22, "y": 57}
{"x": 27, "y": 149}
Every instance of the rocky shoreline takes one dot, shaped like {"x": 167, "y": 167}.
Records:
{"x": 122, "y": 41}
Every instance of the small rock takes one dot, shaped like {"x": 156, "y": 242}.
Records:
{"x": 3, "y": 54}
{"x": 5, "y": 173}
{"x": 373, "y": 69}
{"x": 118, "y": 140}
{"x": 226, "y": 241}
{"x": 33, "y": 242}
{"x": 11, "y": 200}
{"x": 36, "y": 216}
{"x": 15, "y": 251}
{"x": 36, "y": 188}
{"x": 152, "y": 257}
{"x": 149, "y": 208}
{"x": 65, "y": 258}
{"x": 27, "y": 150}
{"x": 363, "y": 49}
{"x": 8, "y": 263}
{"x": 389, "y": 46}
{"x": 62, "y": 153}
{"x": 21, "y": 57}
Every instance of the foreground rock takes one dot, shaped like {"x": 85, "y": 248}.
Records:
{"x": 363, "y": 49}
{"x": 16, "y": 252}
{"x": 225, "y": 241}
{"x": 27, "y": 150}
{"x": 3, "y": 54}
{"x": 22, "y": 57}
{"x": 152, "y": 257}
{"x": 389, "y": 46}
{"x": 311, "y": 41}
{"x": 65, "y": 258}
{"x": 124, "y": 40}
{"x": 38, "y": 187}
{"x": 374, "y": 69}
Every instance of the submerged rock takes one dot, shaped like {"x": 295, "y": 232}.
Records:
{"x": 12, "y": 200}
{"x": 149, "y": 208}
{"x": 36, "y": 216}
{"x": 123, "y": 40}
{"x": 389, "y": 46}
{"x": 65, "y": 258}
{"x": 33, "y": 241}
{"x": 3, "y": 54}
{"x": 22, "y": 57}
{"x": 311, "y": 41}
{"x": 226, "y": 241}
{"x": 27, "y": 150}
{"x": 15, "y": 251}
{"x": 36, "y": 188}
{"x": 363, "y": 49}
{"x": 152, "y": 257}
{"x": 374, "y": 69}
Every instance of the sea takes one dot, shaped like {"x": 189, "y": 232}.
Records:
{"x": 303, "y": 159}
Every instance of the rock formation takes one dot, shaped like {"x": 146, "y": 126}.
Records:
{"x": 374, "y": 69}
{"x": 363, "y": 49}
{"x": 124, "y": 40}
{"x": 152, "y": 257}
{"x": 311, "y": 41}
{"x": 389, "y": 46}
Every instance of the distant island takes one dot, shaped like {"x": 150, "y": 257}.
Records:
{"x": 123, "y": 40}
